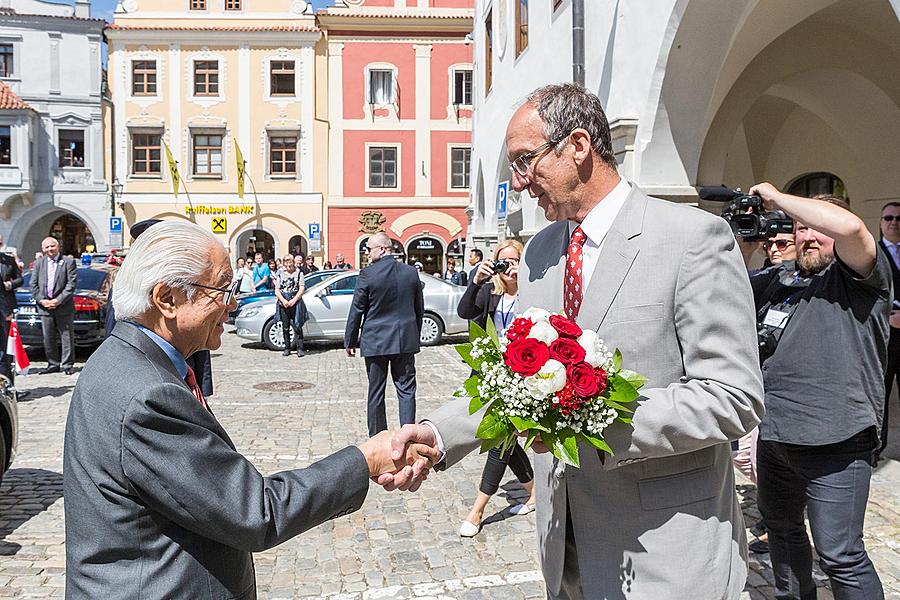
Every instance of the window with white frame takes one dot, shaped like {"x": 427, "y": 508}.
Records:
{"x": 282, "y": 75}
{"x": 207, "y": 154}
{"x": 143, "y": 78}
{"x": 146, "y": 152}
{"x": 71, "y": 147}
{"x": 198, "y": 4}
{"x": 232, "y": 4}
{"x": 5, "y": 145}
{"x": 383, "y": 167}
{"x": 462, "y": 87}
{"x": 206, "y": 78}
{"x": 6, "y": 60}
{"x": 459, "y": 167}
{"x": 282, "y": 154}
{"x": 381, "y": 86}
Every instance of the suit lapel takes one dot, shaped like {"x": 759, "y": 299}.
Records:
{"x": 620, "y": 248}
{"x": 60, "y": 283}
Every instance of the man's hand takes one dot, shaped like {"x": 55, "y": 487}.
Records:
{"x": 52, "y": 304}
{"x": 412, "y": 476}
{"x": 48, "y": 304}
{"x": 769, "y": 194}
{"x": 351, "y": 352}
{"x": 895, "y": 318}
{"x": 383, "y": 459}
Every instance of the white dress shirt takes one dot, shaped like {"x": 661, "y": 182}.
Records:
{"x": 893, "y": 251}
{"x": 596, "y": 225}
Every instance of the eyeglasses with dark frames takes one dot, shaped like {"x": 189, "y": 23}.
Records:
{"x": 523, "y": 162}
{"x": 230, "y": 291}
{"x": 890, "y": 218}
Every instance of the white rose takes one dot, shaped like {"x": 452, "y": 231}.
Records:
{"x": 588, "y": 340}
{"x": 543, "y": 331}
{"x": 537, "y": 314}
{"x": 594, "y": 358}
{"x": 550, "y": 379}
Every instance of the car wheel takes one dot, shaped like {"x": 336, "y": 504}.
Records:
{"x": 272, "y": 336}
{"x": 3, "y": 455}
{"x": 432, "y": 330}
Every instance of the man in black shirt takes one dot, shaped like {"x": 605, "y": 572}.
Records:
{"x": 826, "y": 321}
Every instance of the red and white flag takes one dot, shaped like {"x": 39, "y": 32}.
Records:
{"x": 14, "y": 347}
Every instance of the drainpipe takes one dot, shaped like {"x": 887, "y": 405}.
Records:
{"x": 578, "y": 41}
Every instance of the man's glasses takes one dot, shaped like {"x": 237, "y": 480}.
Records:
{"x": 370, "y": 248}
{"x": 782, "y": 245}
{"x": 890, "y": 218}
{"x": 229, "y": 291}
{"x": 522, "y": 164}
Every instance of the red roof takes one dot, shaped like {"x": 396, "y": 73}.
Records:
{"x": 9, "y": 100}
{"x": 236, "y": 28}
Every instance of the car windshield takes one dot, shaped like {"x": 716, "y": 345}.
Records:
{"x": 85, "y": 279}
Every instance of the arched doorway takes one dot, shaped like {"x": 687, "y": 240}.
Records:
{"x": 298, "y": 245}
{"x": 252, "y": 241}
{"x": 74, "y": 236}
{"x": 362, "y": 256}
{"x": 813, "y": 184}
{"x": 429, "y": 251}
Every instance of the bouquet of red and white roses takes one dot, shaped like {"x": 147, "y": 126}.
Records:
{"x": 546, "y": 376}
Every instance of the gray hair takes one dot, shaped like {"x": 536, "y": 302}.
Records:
{"x": 381, "y": 239}
{"x": 172, "y": 252}
{"x": 568, "y": 106}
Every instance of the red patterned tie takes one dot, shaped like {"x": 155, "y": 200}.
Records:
{"x": 573, "y": 289}
{"x": 191, "y": 380}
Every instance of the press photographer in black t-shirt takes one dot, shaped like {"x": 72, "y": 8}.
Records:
{"x": 825, "y": 329}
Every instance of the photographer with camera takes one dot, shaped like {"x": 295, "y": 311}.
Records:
{"x": 499, "y": 303}
{"x": 823, "y": 345}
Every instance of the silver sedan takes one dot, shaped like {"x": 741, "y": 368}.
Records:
{"x": 328, "y": 304}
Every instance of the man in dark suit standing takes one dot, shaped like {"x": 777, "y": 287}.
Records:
{"x": 389, "y": 304}
{"x": 10, "y": 279}
{"x": 159, "y": 503}
{"x": 53, "y": 288}
{"x": 890, "y": 243}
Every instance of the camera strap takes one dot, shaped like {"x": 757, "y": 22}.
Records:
{"x": 774, "y": 315}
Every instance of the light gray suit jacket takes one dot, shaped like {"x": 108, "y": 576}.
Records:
{"x": 158, "y": 502}
{"x": 659, "y": 518}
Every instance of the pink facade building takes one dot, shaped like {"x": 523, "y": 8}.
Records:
{"x": 400, "y": 115}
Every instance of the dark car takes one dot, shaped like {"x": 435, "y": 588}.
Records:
{"x": 9, "y": 421}
{"x": 91, "y": 288}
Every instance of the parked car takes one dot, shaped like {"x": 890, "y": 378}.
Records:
{"x": 308, "y": 280}
{"x": 328, "y": 304}
{"x": 9, "y": 424}
{"x": 91, "y": 288}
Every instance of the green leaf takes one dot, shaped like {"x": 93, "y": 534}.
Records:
{"x": 567, "y": 443}
{"x": 617, "y": 360}
{"x": 475, "y": 331}
{"x": 635, "y": 379}
{"x": 492, "y": 427}
{"x": 475, "y": 404}
{"x": 617, "y": 406}
{"x": 526, "y": 424}
{"x": 530, "y": 439}
{"x": 465, "y": 351}
{"x": 550, "y": 441}
{"x": 488, "y": 444}
{"x": 471, "y": 385}
{"x": 492, "y": 331}
{"x": 597, "y": 443}
{"x": 622, "y": 392}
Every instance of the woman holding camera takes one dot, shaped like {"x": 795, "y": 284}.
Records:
{"x": 493, "y": 294}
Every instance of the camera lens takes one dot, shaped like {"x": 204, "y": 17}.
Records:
{"x": 500, "y": 266}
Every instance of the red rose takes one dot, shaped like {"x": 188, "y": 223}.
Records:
{"x": 526, "y": 356}
{"x": 583, "y": 379}
{"x": 564, "y": 327}
{"x": 602, "y": 379}
{"x": 518, "y": 329}
{"x": 567, "y": 351}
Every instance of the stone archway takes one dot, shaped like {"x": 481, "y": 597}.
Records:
{"x": 72, "y": 230}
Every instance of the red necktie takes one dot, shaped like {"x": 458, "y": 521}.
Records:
{"x": 573, "y": 288}
{"x": 191, "y": 380}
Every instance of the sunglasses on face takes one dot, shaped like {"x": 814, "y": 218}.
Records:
{"x": 890, "y": 218}
{"x": 781, "y": 245}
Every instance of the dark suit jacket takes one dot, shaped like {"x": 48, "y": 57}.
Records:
{"x": 478, "y": 303}
{"x": 158, "y": 502}
{"x": 389, "y": 304}
{"x": 9, "y": 271}
{"x": 895, "y": 272}
{"x": 65, "y": 284}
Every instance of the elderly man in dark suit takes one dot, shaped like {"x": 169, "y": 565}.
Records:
{"x": 389, "y": 305}
{"x": 53, "y": 288}
{"x": 159, "y": 503}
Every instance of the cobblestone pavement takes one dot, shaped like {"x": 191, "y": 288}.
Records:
{"x": 396, "y": 546}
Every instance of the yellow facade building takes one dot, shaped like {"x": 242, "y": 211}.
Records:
{"x": 211, "y": 79}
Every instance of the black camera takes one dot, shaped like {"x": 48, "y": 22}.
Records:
{"x": 746, "y": 215}
{"x": 500, "y": 266}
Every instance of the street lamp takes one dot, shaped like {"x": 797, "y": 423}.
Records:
{"x": 116, "y": 188}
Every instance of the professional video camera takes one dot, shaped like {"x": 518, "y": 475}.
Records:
{"x": 746, "y": 215}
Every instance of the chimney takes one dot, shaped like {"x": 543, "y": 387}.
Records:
{"x": 83, "y": 9}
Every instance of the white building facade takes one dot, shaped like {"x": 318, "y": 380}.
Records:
{"x": 702, "y": 92}
{"x": 52, "y": 182}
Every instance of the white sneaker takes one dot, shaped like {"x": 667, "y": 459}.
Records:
{"x": 521, "y": 509}
{"x": 468, "y": 529}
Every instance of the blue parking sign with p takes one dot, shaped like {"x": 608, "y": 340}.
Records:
{"x": 115, "y": 224}
{"x": 502, "y": 194}
{"x": 315, "y": 231}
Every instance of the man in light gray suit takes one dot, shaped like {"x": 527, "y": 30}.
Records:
{"x": 665, "y": 283}
{"x": 159, "y": 503}
{"x": 53, "y": 288}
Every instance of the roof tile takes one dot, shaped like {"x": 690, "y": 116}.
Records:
{"x": 9, "y": 100}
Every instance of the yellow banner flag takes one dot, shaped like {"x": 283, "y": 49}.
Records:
{"x": 239, "y": 156}
{"x": 173, "y": 170}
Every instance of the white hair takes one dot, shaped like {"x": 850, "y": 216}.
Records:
{"x": 172, "y": 252}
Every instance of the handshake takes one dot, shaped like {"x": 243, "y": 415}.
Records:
{"x": 401, "y": 460}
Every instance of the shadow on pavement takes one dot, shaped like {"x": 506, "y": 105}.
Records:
{"x": 36, "y": 393}
{"x": 28, "y": 492}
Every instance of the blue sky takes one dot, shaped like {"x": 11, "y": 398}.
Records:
{"x": 104, "y": 8}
